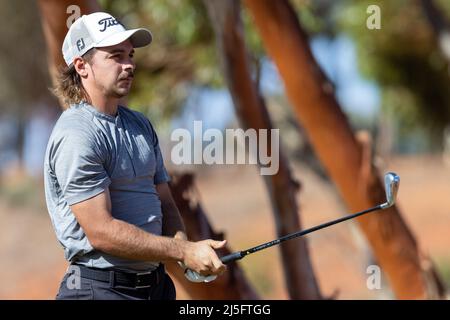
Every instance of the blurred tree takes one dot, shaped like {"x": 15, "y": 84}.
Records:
{"x": 55, "y": 27}
{"x": 406, "y": 62}
{"x": 251, "y": 109}
{"x": 24, "y": 83}
{"x": 346, "y": 159}
{"x": 181, "y": 57}
{"x": 440, "y": 25}
{"x": 233, "y": 284}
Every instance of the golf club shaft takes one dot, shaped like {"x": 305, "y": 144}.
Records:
{"x": 240, "y": 254}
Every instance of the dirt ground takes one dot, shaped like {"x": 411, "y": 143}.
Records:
{"x": 236, "y": 202}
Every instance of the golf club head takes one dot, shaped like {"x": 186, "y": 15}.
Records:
{"x": 391, "y": 184}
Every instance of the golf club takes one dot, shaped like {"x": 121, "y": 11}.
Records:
{"x": 391, "y": 184}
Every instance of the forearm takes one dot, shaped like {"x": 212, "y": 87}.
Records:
{"x": 121, "y": 239}
{"x": 125, "y": 240}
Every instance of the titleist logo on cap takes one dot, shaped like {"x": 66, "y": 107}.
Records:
{"x": 97, "y": 30}
{"x": 108, "y": 22}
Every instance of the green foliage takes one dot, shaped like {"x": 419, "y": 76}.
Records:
{"x": 404, "y": 59}
{"x": 444, "y": 5}
{"x": 316, "y": 16}
{"x": 182, "y": 55}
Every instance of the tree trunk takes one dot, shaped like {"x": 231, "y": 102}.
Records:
{"x": 252, "y": 112}
{"x": 54, "y": 18}
{"x": 232, "y": 285}
{"x": 336, "y": 147}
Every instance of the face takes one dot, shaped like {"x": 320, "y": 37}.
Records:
{"x": 110, "y": 71}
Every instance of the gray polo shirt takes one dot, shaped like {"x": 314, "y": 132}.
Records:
{"x": 89, "y": 151}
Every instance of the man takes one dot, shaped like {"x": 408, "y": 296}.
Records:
{"x": 105, "y": 181}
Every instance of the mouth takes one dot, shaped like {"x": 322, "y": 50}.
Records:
{"x": 126, "y": 81}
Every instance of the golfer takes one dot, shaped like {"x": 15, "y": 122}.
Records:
{"x": 105, "y": 181}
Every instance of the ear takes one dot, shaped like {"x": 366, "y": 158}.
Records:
{"x": 80, "y": 67}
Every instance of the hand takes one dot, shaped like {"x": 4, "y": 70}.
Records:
{"x": 201, "y": 257}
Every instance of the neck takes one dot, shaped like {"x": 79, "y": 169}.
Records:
{"x": 104, "y": 104}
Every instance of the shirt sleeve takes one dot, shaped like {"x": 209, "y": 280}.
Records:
{"x": 161, "y": 175}
{"x": 78, "y": 165}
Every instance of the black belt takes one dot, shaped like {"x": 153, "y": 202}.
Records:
{"x": 138, "y": 280}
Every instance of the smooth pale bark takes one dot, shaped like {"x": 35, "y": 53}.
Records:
{"x": 299, "y": 275}
{"x": 311, "y": 95}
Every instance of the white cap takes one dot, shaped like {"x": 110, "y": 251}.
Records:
{"x": 99, "y": 29}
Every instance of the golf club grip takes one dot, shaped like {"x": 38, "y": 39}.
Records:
{"x": 231, "y": 257}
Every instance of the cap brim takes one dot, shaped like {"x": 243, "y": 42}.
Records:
{"x": 138, "y": 37}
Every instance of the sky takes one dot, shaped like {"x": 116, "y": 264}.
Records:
{"x": 336, "y": 57}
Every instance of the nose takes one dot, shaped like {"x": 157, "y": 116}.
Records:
{"x": 129, "y": 65}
